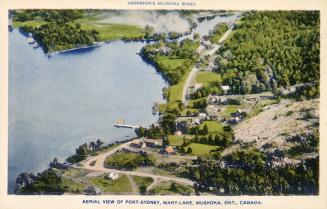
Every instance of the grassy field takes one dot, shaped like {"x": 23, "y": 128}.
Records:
{"x": 230, "y": 109}
{"x": 201, "y": 149}
{"x": 72, "y": 186}
{"x": 192, "y": 110}
{"x": 75, "y": 173}
{"x": 213, "y": 127}
{"x": 170, "y": 63}
{"x": 208, "y": 78}
{"x": 176, "y": 91}
{"x": 120, "y": 185}
{"x": 34, "y": 23}
{"x": 175, "y": 140}
{"x": 109, "y": 32}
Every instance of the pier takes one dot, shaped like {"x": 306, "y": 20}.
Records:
{"x": 117, "y": 125}
{"x": 121, "y": 124}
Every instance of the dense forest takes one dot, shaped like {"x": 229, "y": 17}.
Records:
{"x": 58, "y": 32}
{"x": 248, "y": 172}
{"x": 270, "y": 49}
{"x": 56, "y": 36}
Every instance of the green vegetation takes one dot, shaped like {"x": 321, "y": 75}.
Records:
{"x": 58, "y": 30}
{"x": 142, "y": 183}
{"x": 58, "y": 37}
{"x": 120, "y": 185}
{"x": 250, "y": 175}
{"x": 85, "y": 150}
{"x": 175, "y": 140}
{"x": 47, "y": 182}
{"x": 71, "y": 186}
{"x": 305, "y": 143}
{"x": 271, "y": 49}
{"x": 171, "y": 188}
{"x": 218, "y": 32}
{"x": 173, "y": 59}
{"x": 213, "y": 127}
{"x": 201, "y": 149}
{"x": 208, "y": 78}
{"x": 109, "y": 32}
{"x": 128, "y": 161}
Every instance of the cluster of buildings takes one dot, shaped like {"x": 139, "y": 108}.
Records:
{"x": 142, "y": 143}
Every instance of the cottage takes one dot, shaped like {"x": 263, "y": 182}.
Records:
{"x": 150, "y": 142}
{"x": 178, "y": 133}
{"x": 112, "y": 176}
{"x": 234, "y": 120}
{"x": 239, "y": 114}
{"x": 168, "y": 151}
{"x": 225, "y": 88}
{"x": 202, "y": 115}
{"x": 136, "y": 143}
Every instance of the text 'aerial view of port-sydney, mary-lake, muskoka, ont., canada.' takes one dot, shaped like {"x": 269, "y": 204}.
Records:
{"x": 159, "y": 102}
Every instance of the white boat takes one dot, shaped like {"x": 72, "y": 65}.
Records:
{"x": 30, "y": 40}
{"x": 35, "y": 45}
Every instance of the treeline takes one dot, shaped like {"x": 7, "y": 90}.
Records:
{"x": 56, "y": 36}
{"x": 84, "y": 150}
{"x": 128, "y": 161}
{"x": 206, "y": 91}
{"x": 217, "y": 32}
{"x": 304, "y": 143}
{"x": 249, "y": 175}
{"x": 271, "y": 49}
{"x": 46, "y": 183}
{"x": 53, "y": 15}
{"x": 166, "y": 126}
{"x": 202, "y": 136}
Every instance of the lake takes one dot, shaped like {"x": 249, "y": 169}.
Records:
{"x": 57, "y": 103}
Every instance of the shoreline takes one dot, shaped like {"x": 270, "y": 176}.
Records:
{"x": 97, "y": 44}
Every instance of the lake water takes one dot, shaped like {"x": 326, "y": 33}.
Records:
{"x": 58, "y": 103}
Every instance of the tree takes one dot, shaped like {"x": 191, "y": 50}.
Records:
{"x": 189, "y": 150}
{"x": 205, "y": 129}
{"x": 173, "y": 187}
{"x": 142, "y": 189}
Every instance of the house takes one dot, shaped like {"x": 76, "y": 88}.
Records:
{"x": 202, "y": 115}
{"x": 112, "y": 176}
{"x": 178, "y": 133}
{"x": 234, "y": 120}
{"x": 225, "y": 88}
{"x": 239, "y": 114}
{"x": 150, "y": 142}
{"x": 168, "y": 151}
{"x": 136, "y": 143}
{"x": 92, "y": 191}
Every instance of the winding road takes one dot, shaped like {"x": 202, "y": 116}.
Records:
{"x": 195, "y": 69}
{"x": 99, "y": 168}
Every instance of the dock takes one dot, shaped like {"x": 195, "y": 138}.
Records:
{"x": 117, "y": 125}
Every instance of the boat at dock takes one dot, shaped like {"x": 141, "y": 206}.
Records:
{"x": 35, "y": 45}
{"x": 30, "y": 40}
